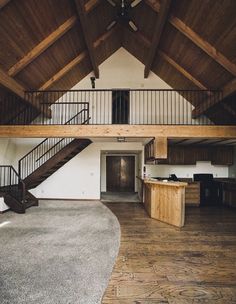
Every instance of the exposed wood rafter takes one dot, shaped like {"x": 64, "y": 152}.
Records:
{"x": 90, "y": 5}
{"x": 86, "y": 31}
{"x": 182, "y": 70}
{"x": 76, "y": 60}
{"x": 42, "y": 46}
{"x": 196, "y": 39}
{"x": 12, "y": 85}
{"x": 159, "y": 27}
{"x": 3, "y": 3}
{"x": 143, "y": 40}
{"x": 63, "y": 71}
{"x": 228, "y": 89}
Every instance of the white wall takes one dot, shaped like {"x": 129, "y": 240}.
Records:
{"x": 80, "y": 178}
{"x": 122, "y": 70}
{"x": 7, "y": 152}
{"x": 187, "y": 170}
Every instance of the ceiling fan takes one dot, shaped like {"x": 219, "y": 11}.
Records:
{"x": 123, "y": 11}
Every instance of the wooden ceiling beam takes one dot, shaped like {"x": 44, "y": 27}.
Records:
{"x": 42, "y": 46}
{"x": 87, "y": 35}
{"x": 103, "y": 38}
{"x": 228, "y": 89}
{"x": 12, "y": 85}
{"x": 182, "y": 70}
{"x": 159, "y": 27}
{"x": 196, "y": 39}
{"x": 4, "y": 3}
{"x": 164, "y": 56}
{"x": 87, "y": 131}
{"x": 90, "y": 5}
{"x": 63, "y": 71}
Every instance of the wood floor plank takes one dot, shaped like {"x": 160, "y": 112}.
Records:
{"x": 158, "y": 263}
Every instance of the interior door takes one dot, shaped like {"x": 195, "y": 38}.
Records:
{"x": 120, "y": 172}
{"x": 120, "y": 106}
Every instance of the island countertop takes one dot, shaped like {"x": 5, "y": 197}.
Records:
{"x": 158, "y": 182}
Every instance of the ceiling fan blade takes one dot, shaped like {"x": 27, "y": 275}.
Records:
{"x": 111, "y": 2}
{"x": 135, "y": 3}
{"x": 133, "y": 26}
{"x": 113, "y": 23}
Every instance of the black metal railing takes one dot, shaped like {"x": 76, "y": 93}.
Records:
{"x": 10, "y": 182}
{"x": 47, "y": 148}
{"x": 135, "y": 107}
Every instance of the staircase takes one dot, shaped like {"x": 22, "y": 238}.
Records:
{"x": 13, "y": 190}
{"x": 37, "y": 165}
{"x": 64, "y": 150}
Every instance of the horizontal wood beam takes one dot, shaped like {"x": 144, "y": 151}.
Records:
{"x": 157, "y": 32}
{"x": 4, "y": 3}
{"x": 87, "y": 35}
{"x": 88, "y": 131}
{"x": 196, "y": 39}
{"x": 42, "y": 46}
{"x": 228, "y": 89}
{"x": 12, "y": 85}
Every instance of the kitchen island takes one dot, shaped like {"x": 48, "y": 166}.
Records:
{"x": 165, "y": 200}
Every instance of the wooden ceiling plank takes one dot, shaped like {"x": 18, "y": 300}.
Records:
{"x": 203, "y": 44}
{"x": 90, "y": 5}
{"x": 63, "y": 71}
{"x": 103, "y": 38}
{"x": 163, "y": 55}
{"x": 196, "y": 39}
{"x": 228, "y": 89}
{"x": 87, "y": 35}
{"x": 182, "y": 70}
{"x": 42, "y": 46}
{"x": 12, "y": 85}
{"x": 4, "y": 3}
{"x": 229, "y": 109}
{"x": 159, "y": 27}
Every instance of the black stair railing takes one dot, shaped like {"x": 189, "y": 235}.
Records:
{"x": 10, "y": 182}
{"x": 48, "y": 148}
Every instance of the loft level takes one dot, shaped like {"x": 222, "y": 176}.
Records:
{"x": 112, "y": 107}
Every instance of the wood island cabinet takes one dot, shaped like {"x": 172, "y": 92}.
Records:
{"x": 165, "y": 201}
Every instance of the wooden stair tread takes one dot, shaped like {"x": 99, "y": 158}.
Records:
{"x": 56, "y": 162}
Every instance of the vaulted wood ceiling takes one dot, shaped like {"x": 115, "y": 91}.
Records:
{"x": 53, "y": 44}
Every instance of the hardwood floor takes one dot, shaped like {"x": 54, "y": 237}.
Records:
{"x": 158, "y": 263}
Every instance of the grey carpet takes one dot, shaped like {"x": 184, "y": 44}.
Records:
{"x": 60, "y": 252}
